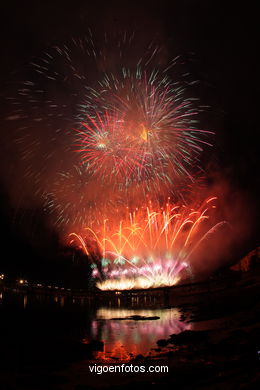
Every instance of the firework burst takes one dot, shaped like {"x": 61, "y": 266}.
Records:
{"x": 136, "y": 129}
{"x": 148, "y": 248}
{"x": 136, "y": 135}
{"x": 145, "y": 134}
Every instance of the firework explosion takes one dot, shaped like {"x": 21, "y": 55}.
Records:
{"x": 146, "y": 248}
{"x": 135, "y": 129}
{"x": 146, "y": 133}
{"x": 116, "y": 132}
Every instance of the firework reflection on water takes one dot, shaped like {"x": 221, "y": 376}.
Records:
{"x": 125, "y": 338}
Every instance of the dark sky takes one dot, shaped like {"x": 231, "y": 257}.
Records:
{"x": 220, "y": 34}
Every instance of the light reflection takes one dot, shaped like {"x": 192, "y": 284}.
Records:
{"x": 125, "y": 338}
{"x": 24, "y": 301}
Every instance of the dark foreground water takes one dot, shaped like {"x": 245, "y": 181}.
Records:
{"x": 49, "y": 341}
{"x": 41, "y": 326}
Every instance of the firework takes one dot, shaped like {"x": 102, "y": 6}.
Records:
{"x": 147, "y": 248}
{"x": 136, "y": 128}
{"x": 143, "y": 132}
{"x": 117, "y": 129}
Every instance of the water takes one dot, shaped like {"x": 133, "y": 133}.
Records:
{"x": 124, "y": 337}
{"x": 50, "y": 340}
{"x": 39, "y": 326}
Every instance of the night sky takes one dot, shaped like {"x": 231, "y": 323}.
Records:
{"x": 219, "y": 43}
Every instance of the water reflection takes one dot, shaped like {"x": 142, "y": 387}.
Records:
{"x": 25, "y": 299}
{"x": 109, "y": 329}
{"x": 125, "y": 338}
